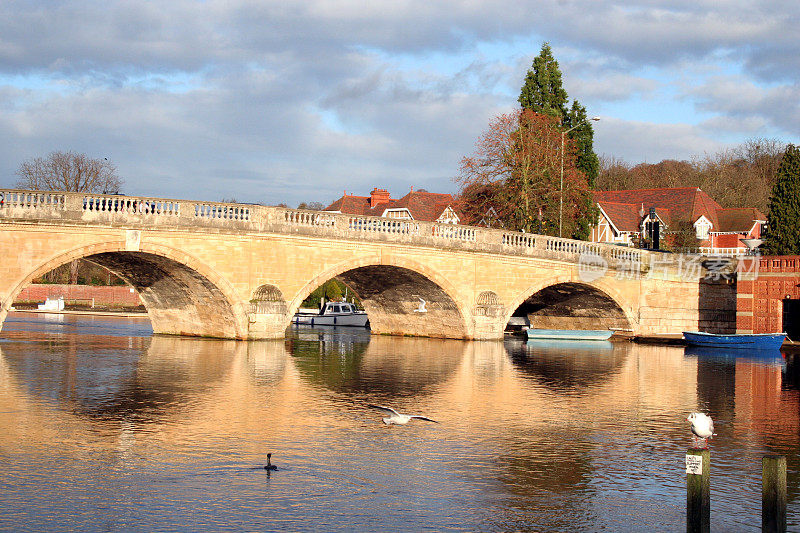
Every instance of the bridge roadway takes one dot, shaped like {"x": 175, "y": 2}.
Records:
{"x": 241, "y": 271}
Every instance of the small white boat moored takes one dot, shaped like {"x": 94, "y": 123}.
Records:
{"x": 333, "y": 314}
{"x": 570, "y": 334}
{"x": 52, "y": 305}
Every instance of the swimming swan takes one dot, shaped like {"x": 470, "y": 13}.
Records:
{"x": 269, "y": 465}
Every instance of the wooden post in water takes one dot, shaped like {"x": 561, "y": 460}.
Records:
{"x": 773, "y": 493}
{"x": 698, "y": 492}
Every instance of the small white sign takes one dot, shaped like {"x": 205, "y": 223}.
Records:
{"x": 694, "y": 464}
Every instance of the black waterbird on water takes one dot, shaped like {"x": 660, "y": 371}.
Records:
{"x": 269, "y": 465}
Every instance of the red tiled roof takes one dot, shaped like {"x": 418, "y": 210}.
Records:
{"x": 728, "y": 240}
{"x": 427, "y": 206}
{"x": 738, "y": 219}
{"x": 625, "y": 217}
{"x": 352, "y": 205}
{"x": 628, "y": 217}
{"x": 681, "y": 204}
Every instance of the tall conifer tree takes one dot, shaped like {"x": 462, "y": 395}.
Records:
{"x": 783, "y": 221}
{"x": 543, "y": 93}
{"x": 583, "y": 134}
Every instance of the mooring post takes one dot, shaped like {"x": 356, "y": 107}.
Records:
{"x": 773, "y": 493}
{"x": 698, "y": 499}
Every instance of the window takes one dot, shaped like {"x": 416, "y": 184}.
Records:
{"x": 702, "y": 226}
{"x": 397, "y": 213}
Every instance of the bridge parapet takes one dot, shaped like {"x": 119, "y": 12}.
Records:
{"x": 159, "y": 213}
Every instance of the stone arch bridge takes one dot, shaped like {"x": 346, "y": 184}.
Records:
{"x": 241, "y": 271}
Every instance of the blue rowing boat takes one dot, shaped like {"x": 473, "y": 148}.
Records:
{"x": 570, "y": 334}
{"x": 745, "y": 341}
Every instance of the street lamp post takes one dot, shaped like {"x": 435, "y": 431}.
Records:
{"x": 561, "y": 188}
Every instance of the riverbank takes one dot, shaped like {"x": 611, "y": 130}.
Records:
{"x": 98, "y": 312}
{"x": 665, "y": 339}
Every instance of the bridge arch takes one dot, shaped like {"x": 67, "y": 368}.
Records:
{"x": 401, "y": 296}
{"x": 601, "y": 305}
{"x": 183, "y": 296}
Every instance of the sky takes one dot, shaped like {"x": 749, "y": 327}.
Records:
{"x": 287, "y": 102}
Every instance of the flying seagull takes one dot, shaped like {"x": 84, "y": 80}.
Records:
{"x": 702, "y": 428}
{"x": 393, "y": 417}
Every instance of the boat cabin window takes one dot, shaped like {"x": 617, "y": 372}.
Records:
{"x": 335, "y": 308}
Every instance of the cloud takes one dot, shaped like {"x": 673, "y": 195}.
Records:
{"x": 282, "y": 101}
{"x": 650, "y": 142}
{"x": 734, "y": 98}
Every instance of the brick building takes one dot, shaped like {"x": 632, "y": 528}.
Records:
{"x": 768, "y": 295}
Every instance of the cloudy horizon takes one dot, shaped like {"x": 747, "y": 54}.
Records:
{"x": 276, "y": 102}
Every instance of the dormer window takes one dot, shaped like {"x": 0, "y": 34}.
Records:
{"x": 397, "y": 213}
{"x": 701, "y": 227}
{"x": 448, "y": 217}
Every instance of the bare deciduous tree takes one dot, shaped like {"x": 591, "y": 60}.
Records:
{"x": 311, "y": 206}
{"x": 515, "y": 178}
{"x": 69, "y": 171}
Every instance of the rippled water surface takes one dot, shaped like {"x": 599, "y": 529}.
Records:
{"x": 106, "y": 428}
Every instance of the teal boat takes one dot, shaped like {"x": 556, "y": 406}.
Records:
{"x": 570, "y": 334}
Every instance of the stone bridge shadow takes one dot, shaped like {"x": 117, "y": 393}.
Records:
{"x": 182, "y": 296}
{"x": 407, "y": 300}
{"x": 573, "y": 306}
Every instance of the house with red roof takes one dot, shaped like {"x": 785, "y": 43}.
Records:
{"x": 416, "y": 205}
{"x": 628, "y": 217}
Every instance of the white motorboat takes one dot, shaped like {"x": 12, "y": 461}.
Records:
{"x": 52, "y": 305}
{"x": 333, "y": 314}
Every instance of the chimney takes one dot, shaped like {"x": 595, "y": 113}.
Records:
{"x": 378, "y": 196}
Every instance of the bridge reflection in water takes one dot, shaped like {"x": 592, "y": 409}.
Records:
{"x": 164, "y": 432}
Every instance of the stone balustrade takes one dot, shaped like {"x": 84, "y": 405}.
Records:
{"x": 144, "y": 212}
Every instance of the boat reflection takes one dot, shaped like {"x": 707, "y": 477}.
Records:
{"x": 570, "y": 365}
{"x": 568, "y": 345}
{"x": 344, "y": 360}
{"x": 732, "y": 354}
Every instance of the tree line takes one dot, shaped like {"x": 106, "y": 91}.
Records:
{"x": 742, "y": 176}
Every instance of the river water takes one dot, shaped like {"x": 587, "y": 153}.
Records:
{"x": 104, "y": 427}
